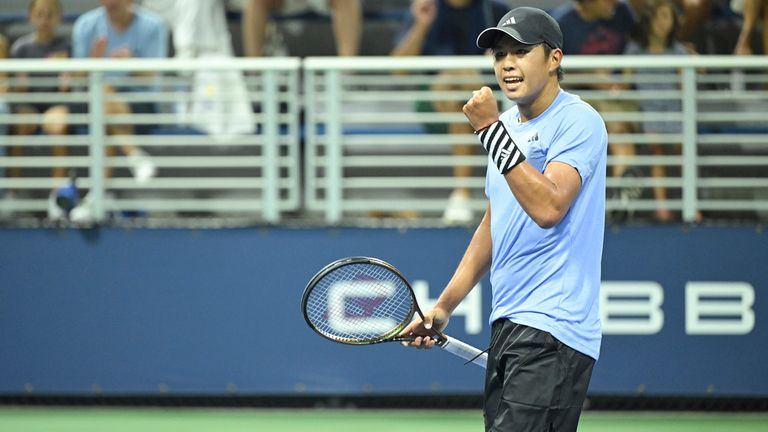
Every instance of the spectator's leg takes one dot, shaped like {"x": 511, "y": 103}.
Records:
{"x": 347, "y": 16}
{"x": 140, "y": 164}
{"x": 118, "y": 107}
{"x": 658, "y": 173}
{"x": 254, "y": 24}
{"x": 749, "y": 19}
{"x": 25, "y": 128}
{"x": 14, "y": 171}
{"x": 462, "y": 171}
{"x": 21, "y": 129}
{"x": 55, "y": 124}
{"x": 4, "y": 109}
{"x": 765, "y": 26}
{"x": 622, "y": 150}
{"x": 458, "y": 210}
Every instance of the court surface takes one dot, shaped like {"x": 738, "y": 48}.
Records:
{"x": 230, "y": 420}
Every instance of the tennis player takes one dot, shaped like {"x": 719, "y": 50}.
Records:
{"x": 541, "y": 236}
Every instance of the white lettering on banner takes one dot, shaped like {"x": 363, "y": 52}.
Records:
{"x": 719, "y": 308}
{"x": 635, "y": 307}
{"x": 340, "y": 292}
{"x": 631, "y": 307}
{"x": 471, "y": 308}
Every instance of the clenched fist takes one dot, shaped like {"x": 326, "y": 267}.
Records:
{"x": 481, "y": 109}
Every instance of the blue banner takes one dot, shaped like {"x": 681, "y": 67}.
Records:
{"x": 147, "y": 311}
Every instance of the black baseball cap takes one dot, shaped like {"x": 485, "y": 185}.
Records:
{"x": 526, "y": 25}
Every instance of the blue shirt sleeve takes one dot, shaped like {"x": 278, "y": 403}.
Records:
{"x": 155, "y": 35}
{"x": 82, "y": 35}
{"x": 580, "y": 141}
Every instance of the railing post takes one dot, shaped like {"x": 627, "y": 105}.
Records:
{"x": 310, "y": 137}
{"x": 690, "y": 154}
{"x": 333, "y": 146}
{"x": 97, "y": 133}
{"x": 270, "y": 140}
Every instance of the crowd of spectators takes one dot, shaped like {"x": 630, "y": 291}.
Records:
{"x": 210, "y": 28}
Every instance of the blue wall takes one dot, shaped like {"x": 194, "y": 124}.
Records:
{"x": 209, "y": 311}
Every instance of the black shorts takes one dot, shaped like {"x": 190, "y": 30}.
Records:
{"x": 534, "y": 382}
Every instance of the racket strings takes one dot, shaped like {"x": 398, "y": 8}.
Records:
{"x": 359, "y": 303}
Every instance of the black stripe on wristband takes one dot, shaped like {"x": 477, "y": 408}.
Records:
{"x": 500, "y": 146}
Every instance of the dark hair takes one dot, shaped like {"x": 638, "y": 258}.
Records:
{"x": 642, "y": 32}
{"x": 547, "y": 50}
{"x": 56, "y": 4}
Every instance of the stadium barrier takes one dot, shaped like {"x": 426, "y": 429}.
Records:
{"x": 113, "y": 312}
{"x": 370, "y": 141}
{"x": 222, "y": 134}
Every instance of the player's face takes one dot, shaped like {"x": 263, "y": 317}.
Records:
{"x": 522, "y": 71}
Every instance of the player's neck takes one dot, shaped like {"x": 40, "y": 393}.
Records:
{"x": 529, "y": 111}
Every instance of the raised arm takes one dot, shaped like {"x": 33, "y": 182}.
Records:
{"x": 545, "y": 197}
{"x": 423, "y": 13}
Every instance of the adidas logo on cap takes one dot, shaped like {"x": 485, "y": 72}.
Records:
{"x": 509, "y": 21}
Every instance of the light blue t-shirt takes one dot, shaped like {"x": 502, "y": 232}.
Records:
{"x": 145, "y": 37}
{"x": 549, "y": 279}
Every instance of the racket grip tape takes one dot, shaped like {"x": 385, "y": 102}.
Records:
{"x": 465, "y": 351}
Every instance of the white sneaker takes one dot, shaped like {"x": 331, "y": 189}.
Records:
{"x": 458, "y": 211}
{"x": 83, "y": 212}
{"x": 6, "y": 202}
{"x": 142, "y": 166}
{"x": 55, "y": 212}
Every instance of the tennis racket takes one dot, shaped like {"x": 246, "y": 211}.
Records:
{"x": 364, "y": 301}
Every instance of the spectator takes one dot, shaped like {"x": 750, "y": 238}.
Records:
{"x": 120, "y": 30}
{"x": 4, "y": 53}
{"x": 601, "y": 27}
{"x": 346, "y": 15}
{"x": 656, "y": 35}
{"x": 692, "y": 14}
{"x": 221, "y": 105}
{"x": 4, "y": 109}
{"x": 448, "y": 27}
{"x": 751, "y": 10}
{"x": 43, "y": 42}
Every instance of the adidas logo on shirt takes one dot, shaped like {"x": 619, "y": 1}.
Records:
{"x": 533, "y": 138}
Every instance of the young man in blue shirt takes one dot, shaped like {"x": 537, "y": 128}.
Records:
{"x": 542, "y": 234}
{"x": 120, "y": 30}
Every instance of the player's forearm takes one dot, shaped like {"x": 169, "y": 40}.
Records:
{"x": 538, "y": 195}
{"x": 544, "y": 197}
{"x": 474, "y": 264}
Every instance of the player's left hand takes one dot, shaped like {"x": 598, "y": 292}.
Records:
{"x": 481, "y": 110}
{"x": 425, "y": 330}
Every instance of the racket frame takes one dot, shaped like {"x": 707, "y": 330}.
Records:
{"x": 391, "y": 336}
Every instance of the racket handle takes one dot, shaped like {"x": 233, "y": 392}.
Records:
{"x": 465, "y": 351}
